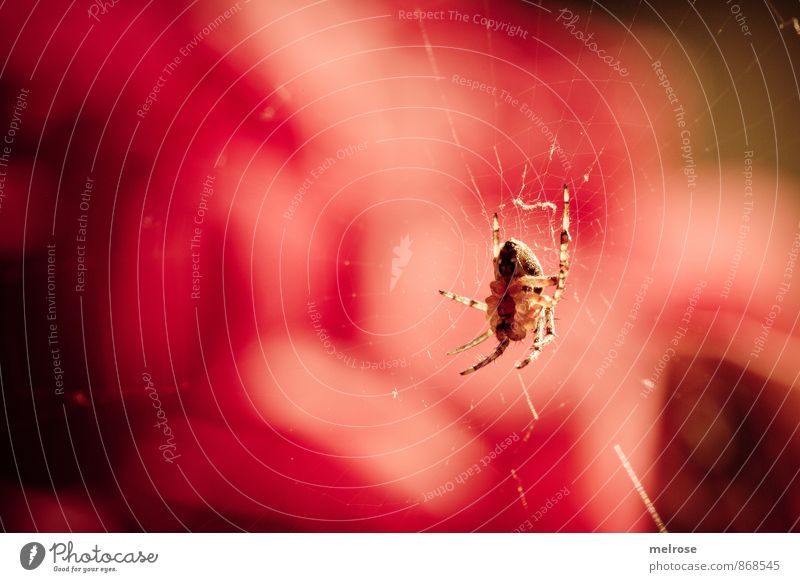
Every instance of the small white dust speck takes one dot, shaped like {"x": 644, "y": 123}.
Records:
{"x": 268, "y": 113}
{"x": 394, "y": 393}
{"x": 649, "y": 383}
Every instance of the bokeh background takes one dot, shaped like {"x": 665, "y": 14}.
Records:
{"x": 223, "y": 226}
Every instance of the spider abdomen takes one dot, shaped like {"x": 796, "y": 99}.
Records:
{"x": 511, "y": 315}
{"x": 507, "y": 307}
{"x": 517, "y": 305}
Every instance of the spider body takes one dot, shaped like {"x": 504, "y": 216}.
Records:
{"x": 517, "y": 305}
{"x": 508, "y": 309}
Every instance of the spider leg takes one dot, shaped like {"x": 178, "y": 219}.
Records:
{"x": 481, "y": 338}
{"x": 536, "y": 349}
{"x": 545, "y": 333}
{"x": 563, "y": 270}
{"x": 479, "y": 305}
{"x": 495, "y": 242}
{"x": 498, "y": 351}
{"x": 550, "y": 325}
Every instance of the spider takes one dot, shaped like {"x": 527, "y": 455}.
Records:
{"x": 517, "y": 305}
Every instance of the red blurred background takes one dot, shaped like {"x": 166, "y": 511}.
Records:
{"x": 223, "y": 227}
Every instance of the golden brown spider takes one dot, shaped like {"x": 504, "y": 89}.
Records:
{"x": 516, "y": 305}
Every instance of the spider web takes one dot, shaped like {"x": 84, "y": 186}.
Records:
{"x": 524, "y": 185}
{"x": 568, "y": 143}
{"x": 525, "y": 190}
